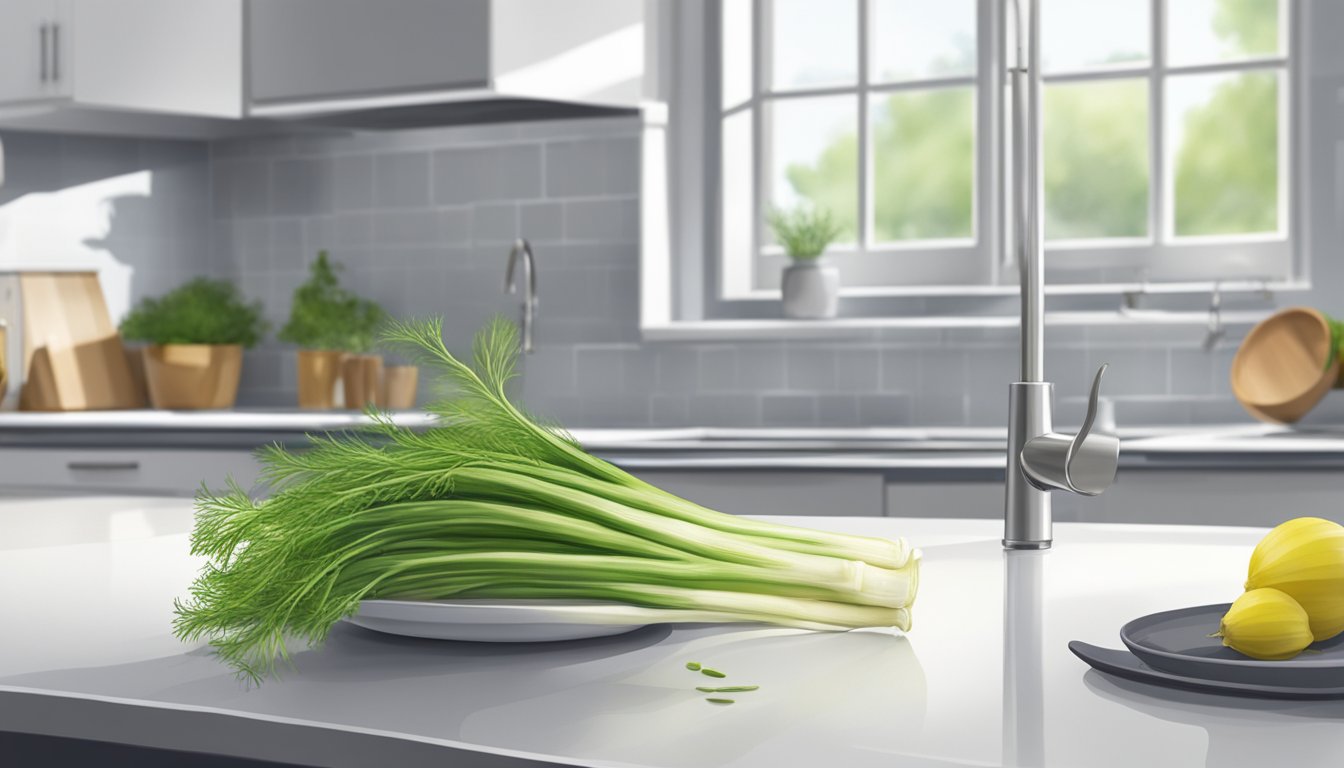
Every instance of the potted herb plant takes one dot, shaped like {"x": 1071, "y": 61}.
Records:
{"x": 318, "y": 320}
{"x": 361, "y": 370}
{"x": 196, "y": 335}
{"x": 810, "y": 287}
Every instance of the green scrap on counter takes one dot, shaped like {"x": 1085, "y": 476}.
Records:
{"x": 720, "y": 701}
{"x": 711, "y": 672}
{"x": 727, "y": 688}
{"x": 694, "y": 666}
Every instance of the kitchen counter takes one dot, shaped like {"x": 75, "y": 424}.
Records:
{"x": 984, "y": 678}
{"x": 977, "y": 449}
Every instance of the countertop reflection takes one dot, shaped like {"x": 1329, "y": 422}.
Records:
{"x": 984, "y": 678}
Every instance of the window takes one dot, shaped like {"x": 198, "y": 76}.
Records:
{"x": 1166, "y": 139}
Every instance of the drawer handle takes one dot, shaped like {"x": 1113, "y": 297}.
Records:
{"x": 103, "y": 466}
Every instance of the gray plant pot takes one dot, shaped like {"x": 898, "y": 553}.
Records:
{"x": 811, "y": 290}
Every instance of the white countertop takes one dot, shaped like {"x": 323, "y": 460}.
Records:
{"x": 260, "y": 420}
{"x": 86, "y": 591}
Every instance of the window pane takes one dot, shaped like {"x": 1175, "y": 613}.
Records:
{"x": 814, "y": 43}
{"x": 736, "y": 205}
{"x": 1096, "y": 159}
{"x": 1084, "y": 34}
{"x": 735, "y": 48}
{"x": 1224, "y": 132}
{"x": 814, "y": 156}
{"x": 923, "y": 164}
{"x": 1203, "y": 31}
{"x": 914, "y": 39}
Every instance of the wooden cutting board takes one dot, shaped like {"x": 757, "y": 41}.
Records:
{"x": 73, "y": 358}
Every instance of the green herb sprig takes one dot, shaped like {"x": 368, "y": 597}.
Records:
{"x": 202, "y": 311}
{"x": 804, "y": 231}
{"x": 324, "y": 315}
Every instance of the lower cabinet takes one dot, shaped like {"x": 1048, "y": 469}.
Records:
{"x": 149, "y": 471}
{"x": 1232, "y": 496}
{"x": 1179, "y": 496}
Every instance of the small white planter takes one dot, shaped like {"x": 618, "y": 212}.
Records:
{"x": 811, "y": 290}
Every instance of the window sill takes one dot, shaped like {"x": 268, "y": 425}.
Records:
{"x": 860, "y": 327}
{"x": 1051, "y": 289}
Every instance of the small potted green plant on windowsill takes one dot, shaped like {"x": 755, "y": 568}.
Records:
{"x": 319, "y": 320}
{"x": 196, "y": 335}
{"x": 810, "y": 286}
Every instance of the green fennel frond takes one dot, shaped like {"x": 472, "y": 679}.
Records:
{"x": 490, "y": 502}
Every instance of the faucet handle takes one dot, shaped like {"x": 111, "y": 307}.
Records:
{"x": 1093, "y": 456}
{"x": 1084, "y": 463}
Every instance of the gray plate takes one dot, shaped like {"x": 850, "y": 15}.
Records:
{"x": 1178, "y": 642}
{"x": 1128, "y": 666}
{"x": 501, "y": 621}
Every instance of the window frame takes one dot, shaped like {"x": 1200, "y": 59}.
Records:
{"x": 922, "y": 265}
{"x": 983, "y": 266}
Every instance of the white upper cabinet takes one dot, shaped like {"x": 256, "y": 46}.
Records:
{"x": 117, "y": 65}
{"x": 26, "y": 28}
{"x": 319, "y": 56}
{"x": 198, "y": 68}
{"x": 158, "y": 55}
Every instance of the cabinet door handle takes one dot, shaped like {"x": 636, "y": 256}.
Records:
{"x": 44, "y": 33}
{"x": 56, "y": 52}
{"x": 103, "y": 466}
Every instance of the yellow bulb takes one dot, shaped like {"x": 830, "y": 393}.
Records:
{"x": 1266, "y": 624}
{"x": 1304, "y": 558}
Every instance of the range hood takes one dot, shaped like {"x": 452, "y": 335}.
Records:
{"x": 406, "y": 63}
{"x": 468, "y": 111}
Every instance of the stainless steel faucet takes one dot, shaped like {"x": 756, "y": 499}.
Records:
{"x": 521, "y": 246}
{"x": 1040, "y": 460}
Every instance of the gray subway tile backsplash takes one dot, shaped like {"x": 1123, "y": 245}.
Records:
{"x": 718, "y": 369}
{"x": 810, "y": 368}
{"x": 887, "y": 410}
{"x": 838, "y": 411}
{"x": 760, "y": 367}
{"x": 669, "y": 410}
{"x": 484, "y": 173}
{"x": 678, "y": 369}
{"x": 403, "y": 227}
{"x": 352, "y": 182}
{"x": 422, "y": 221}
{"x": 604, "y": 220}
{"x": 858, "y": 369}
{"x": 401, "y": 180}
{"x": 495, "y": 223}
{"x": 725, "y": 409}
{"x": 542, "y": 222}
{"x": 599, "y": 372}
{"x": 786, "y": 410}
{"x": 301, "y": 186}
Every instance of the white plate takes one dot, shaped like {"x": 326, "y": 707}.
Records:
{"x": 508, "y": 621}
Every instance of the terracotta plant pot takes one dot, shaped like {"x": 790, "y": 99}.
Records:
{"x": 318, "y": 371}
{"x": 193, "y": 376}
{"x": 399, "y": 384}
{"x": 362, "y": 377}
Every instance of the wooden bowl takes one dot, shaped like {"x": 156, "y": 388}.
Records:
{"x": 1280, "y": 371}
